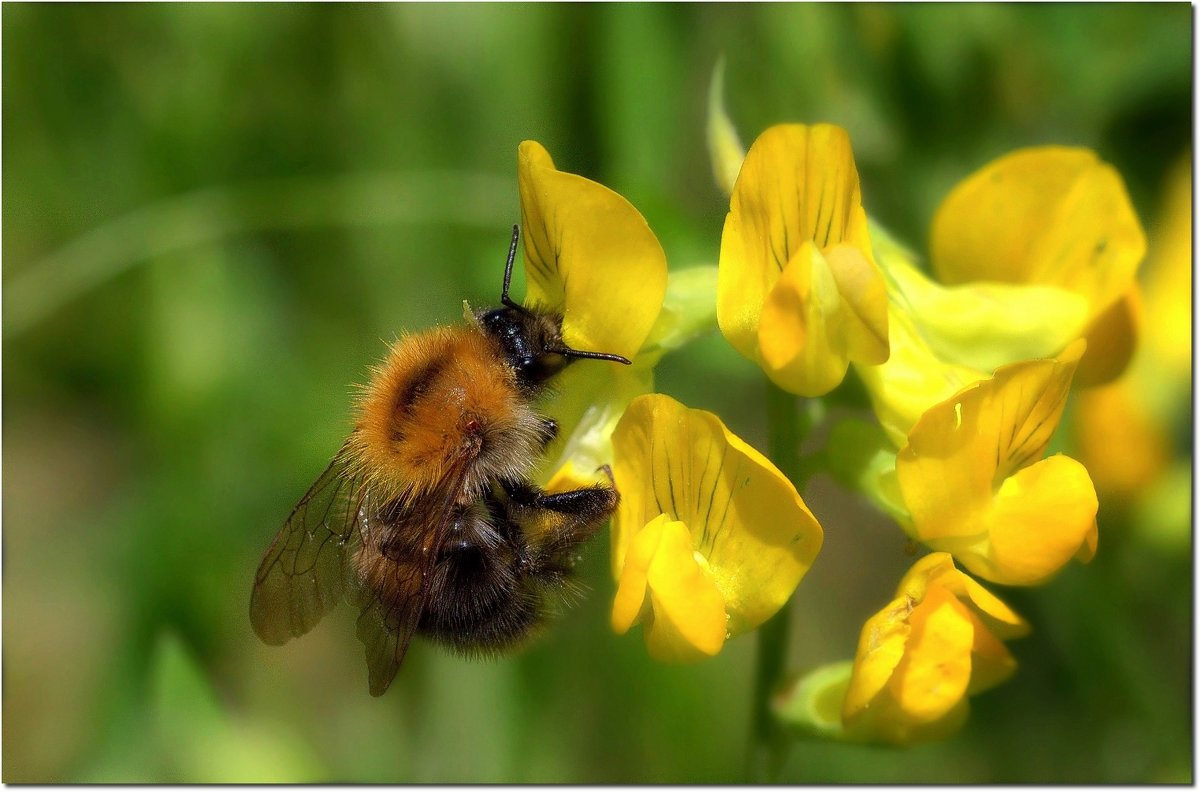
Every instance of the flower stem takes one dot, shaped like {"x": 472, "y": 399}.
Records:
{"x": 787, "y": 426}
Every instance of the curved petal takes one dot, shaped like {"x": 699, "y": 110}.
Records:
{"x": 664, "y": 587}
{"x": 745, "y": 518}
{"x": 689, "y": 612}
{"x": 1112, "y": 338}
{"x": 798, "y": 351}
{"x": 588, "y": 254}
{"x": 991, "y": 662}
{"x": 1042, "y": 516}
{"x": 946, "y": 469}
{"x": 993, "y": 614}
{"x": 1051, "y": 215}
{"x": 825, "y": 310}
{"x": 864, "y": 303}
{"x": 936, "y": 669}
{"x": 881, "y": 647}
{"x": 629, "y": 604}
{"x": 933, "y": 568}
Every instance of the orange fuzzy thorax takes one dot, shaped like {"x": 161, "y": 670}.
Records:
{"x": 443, "y": 409}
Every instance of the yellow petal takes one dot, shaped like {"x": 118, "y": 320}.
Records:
{"x": 1055, "y": 216}
{"x": 742, "y": 286}
{"x": 1041, "y": 518}
{"x": 881, "y": 646}
{"x": 633, "y": 572}
{"x": 991, "y": 662}
{"x": 689, "y": 621}
{"x": 936, "y": 669}
{"x": 662, "y": 585}
{"x": 588, "y": 254}
{"x": 946, "y": 470}
{"x": 863, "y": 319}
{"x": 935, "y": 567}
{"x": 797, "y": 351}
{"x": 1112, "y": 339}
{"x": 797, "y": 184}
{"x": 994, "y": 615}
{"x": 824, "y": 311}
{"x": 745, "y": 518}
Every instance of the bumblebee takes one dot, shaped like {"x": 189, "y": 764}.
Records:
{"x": 426, "y": 520}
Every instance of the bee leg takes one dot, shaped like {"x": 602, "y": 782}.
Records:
{"x": 569, "y": 518}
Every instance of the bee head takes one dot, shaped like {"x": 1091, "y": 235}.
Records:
{"x": 531, "y": 340}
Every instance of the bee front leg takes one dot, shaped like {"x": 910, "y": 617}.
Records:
{"x": 567, "y": 519}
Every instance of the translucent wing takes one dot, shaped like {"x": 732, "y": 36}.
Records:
{"x": 401, "y": 545}
{"x": 306, "y": 571}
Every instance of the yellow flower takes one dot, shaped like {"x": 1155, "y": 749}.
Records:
{"x": 943, "y": 338}
{"x": 1052, "y": 216}
{"x": 921, "y": 656}
{"x": 975, "y": 484}
{"x": 798, "y": 291}
{"x": 590, "y": 255}
{"x": 709, "y": 540}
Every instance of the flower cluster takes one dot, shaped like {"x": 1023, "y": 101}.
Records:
{"x": 968, "y": 363}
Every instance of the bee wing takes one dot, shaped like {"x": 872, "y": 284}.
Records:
{"x": 305, "y": 571}
{"x": 404, "y": 547}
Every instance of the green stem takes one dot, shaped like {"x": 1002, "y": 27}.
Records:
{"x": 768, "y": 747}
{"x": 787, "y": 425}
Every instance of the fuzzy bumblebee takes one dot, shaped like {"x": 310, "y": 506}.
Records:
{"x": 426, "y": 520}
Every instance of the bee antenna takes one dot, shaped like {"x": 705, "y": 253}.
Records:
{"x": 576, "y": 353}
{"x": 508, "y": 267}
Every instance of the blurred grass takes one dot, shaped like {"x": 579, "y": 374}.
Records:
{"x": 216, "y": 215}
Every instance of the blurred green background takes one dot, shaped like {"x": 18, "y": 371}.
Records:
{"x": 215, "y": 216}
